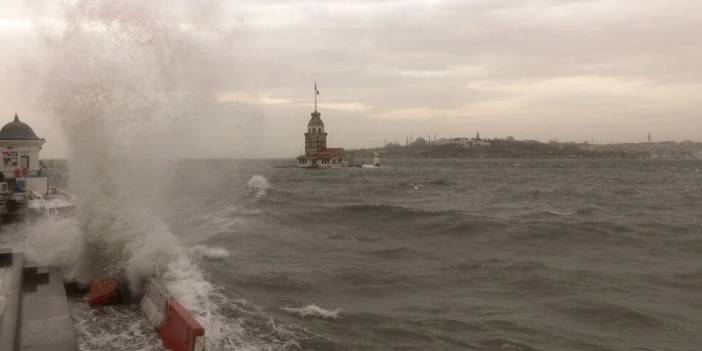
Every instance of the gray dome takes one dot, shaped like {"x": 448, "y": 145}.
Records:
{"x": 17, "y": 130}
{"x": 315, "y": 121}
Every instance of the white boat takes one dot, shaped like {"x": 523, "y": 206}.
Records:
{"x": 375, "y": 164}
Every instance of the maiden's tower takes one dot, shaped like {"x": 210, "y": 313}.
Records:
{"x": 317, "y": 154}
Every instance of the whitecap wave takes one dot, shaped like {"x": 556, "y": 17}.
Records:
{"x": 314, "y": 311}
{"x": 214, "y": 253}
{"x": 259, "y": 184}
{"x": 561, "y": 213}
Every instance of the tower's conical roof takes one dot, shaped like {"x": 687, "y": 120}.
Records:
{"x": 316, "y": 120}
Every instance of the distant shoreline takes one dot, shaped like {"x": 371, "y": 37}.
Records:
{"x": 464, "y": 148}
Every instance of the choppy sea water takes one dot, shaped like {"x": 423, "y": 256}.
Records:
{"x": 492, "y": 255}
{"x": 440, "y": 255}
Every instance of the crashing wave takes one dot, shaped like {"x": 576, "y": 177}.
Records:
{"x": 259, "y": 184}
{"x": 112, "y": 107}
{"x": 313, "y": 311}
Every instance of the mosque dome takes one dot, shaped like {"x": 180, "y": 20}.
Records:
{"x": 17, "y": 130}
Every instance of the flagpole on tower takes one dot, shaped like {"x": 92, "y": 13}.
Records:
{"x": 316, "y": 92}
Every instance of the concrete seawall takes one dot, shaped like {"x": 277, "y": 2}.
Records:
{"x": 11, "y": 291}
{"x": 35, "y": 316}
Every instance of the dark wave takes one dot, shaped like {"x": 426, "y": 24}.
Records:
{"x": 609, "y": 315}
{"x": 398, "y": 253}
{"x": 504, "y": 344}
{"x": 395, "y": 211}
{"x": 541, "y": 284}
{"x": 376, "y": 217}
{"x": 391, "y": 332}
{"x": 371, "y": 278}
{"x": 575, "y": 232}
{"x": 468, "y": 225}
{"x": 276, "y": 282}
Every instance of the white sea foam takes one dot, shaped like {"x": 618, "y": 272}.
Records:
{"x": 214, "y": 253}
{"x": 112, "y": 328}
{"x": 259, "y": 184}
{"x": 561, "y": 213}
{"x": 314, "y": 311}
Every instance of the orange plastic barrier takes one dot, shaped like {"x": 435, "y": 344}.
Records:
{"x": 179, "y": 330}
{"x": 104, "y": 292}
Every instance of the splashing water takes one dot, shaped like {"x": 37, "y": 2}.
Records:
{"x": 119, "y": 76}
{"x": 259, "y": 184}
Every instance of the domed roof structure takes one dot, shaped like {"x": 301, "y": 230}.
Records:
{"x": 17, "y": 130}
{"x": 315, "y": 121}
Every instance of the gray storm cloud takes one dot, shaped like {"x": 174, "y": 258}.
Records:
{"x": 577, "y": 70}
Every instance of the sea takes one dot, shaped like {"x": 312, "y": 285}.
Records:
{"x": 514, "y": 255}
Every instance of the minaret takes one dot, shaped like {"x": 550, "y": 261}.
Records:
{"x": 649, "y": 137}
{"x": 315, "y": 138}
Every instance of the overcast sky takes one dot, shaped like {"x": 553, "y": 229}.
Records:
{"x": 608, "y": 70}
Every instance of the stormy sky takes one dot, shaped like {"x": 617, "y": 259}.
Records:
{"x": 602, "y": 70}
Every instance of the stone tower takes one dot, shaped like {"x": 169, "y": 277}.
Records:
{"x": 316, "y": 137}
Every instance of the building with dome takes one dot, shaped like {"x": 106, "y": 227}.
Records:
{"x": 317, "y": 154}
{"x": 20, "y": 166}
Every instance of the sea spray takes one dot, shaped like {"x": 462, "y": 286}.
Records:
{"x": 258, "y": 184}
{"x": 120, "y": 74}
{"x": 56, "y": 241}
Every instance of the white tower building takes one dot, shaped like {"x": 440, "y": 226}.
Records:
{"x": 317, "y": 154}
{"x": 20, "y": 148}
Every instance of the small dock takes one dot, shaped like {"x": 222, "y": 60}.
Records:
{"x": 34, "y": 314}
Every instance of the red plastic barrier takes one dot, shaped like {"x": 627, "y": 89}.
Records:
{"x": 104, "y": 292}
{"x": 179, "y": 329}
